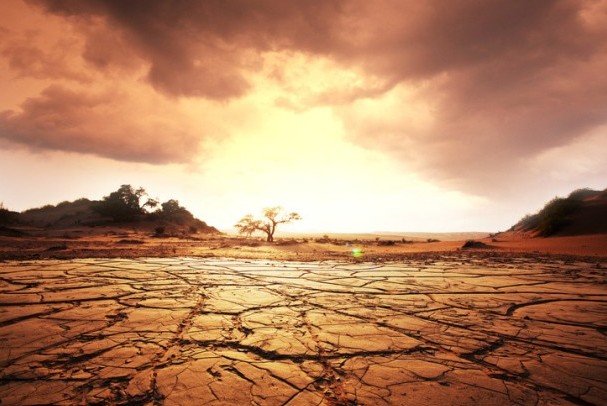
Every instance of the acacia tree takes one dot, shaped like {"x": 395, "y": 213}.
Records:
{"x": 272, "y": 216}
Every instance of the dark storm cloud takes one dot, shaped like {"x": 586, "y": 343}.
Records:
{"x": 505, "y": 80}
{"x": 203, "y": 48}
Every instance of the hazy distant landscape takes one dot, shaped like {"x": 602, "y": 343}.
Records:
{"x": 121, "y": 225}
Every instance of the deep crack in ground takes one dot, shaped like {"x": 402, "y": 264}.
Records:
{"x": 453, "y": 330}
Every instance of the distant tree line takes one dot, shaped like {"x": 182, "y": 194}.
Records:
{"x": 125, "y": 205}
{"x": 129, "y": 204}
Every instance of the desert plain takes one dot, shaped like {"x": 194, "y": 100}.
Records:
{"x": 461, "y": 327}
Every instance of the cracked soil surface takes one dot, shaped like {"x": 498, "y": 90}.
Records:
{"x": 448, "y": 330}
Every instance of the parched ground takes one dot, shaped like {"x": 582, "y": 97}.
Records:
{"x": 120, "y": 243}
{"x": 450, "y": 330}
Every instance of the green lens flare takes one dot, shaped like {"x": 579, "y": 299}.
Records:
{"x": 357, "y": 252}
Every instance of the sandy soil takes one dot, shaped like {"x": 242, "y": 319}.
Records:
{"x": 588, "y": 245}
{"x": 454, "y": 329}
{"x": 133, "y": 244}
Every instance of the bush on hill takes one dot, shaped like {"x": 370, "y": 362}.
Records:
{"x": 556, "y": 213}
{"x": 125, "y": 204}
{"x": 171, "y": 211}
{"x": 581, "y": 194}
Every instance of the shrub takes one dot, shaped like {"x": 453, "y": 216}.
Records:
{"x": 386, "y": 243}
{"x": 581, "y": 194}
{"x": 474, "y": 244}
{"x": 555, "y": 215}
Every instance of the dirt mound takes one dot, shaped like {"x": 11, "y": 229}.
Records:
{"x": 130, "y": 241}
{"x": 470, "y": 244}
{"x": 64, "y": 214}
{"x": 583, "y": 212}
{"x": 589, "y": 218}
{"x": 59, "y": 247}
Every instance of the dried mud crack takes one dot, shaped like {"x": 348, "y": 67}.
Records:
{"x": 448, "y": 330}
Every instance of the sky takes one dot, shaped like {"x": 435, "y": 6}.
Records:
{"x": 362, "y": 116}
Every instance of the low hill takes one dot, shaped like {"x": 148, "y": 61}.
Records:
{"x": 64, "y": 214}
{"x": 583, "y": 212}
{"x": 8, "y": 217}
{"x": 125, "y": 207}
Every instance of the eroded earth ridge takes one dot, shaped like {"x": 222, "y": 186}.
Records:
{"x": 452, "y": 330}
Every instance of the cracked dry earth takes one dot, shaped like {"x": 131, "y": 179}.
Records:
{"x": 453, "y": 330}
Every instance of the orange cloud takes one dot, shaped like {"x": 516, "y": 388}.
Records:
{"x": 465, "y": 92}
{"x": 109, "y": 124}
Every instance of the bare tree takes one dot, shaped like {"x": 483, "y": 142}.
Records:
{"x": 272, "y": 216}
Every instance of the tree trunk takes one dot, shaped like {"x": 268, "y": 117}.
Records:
{"x": 271, "y": 234}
